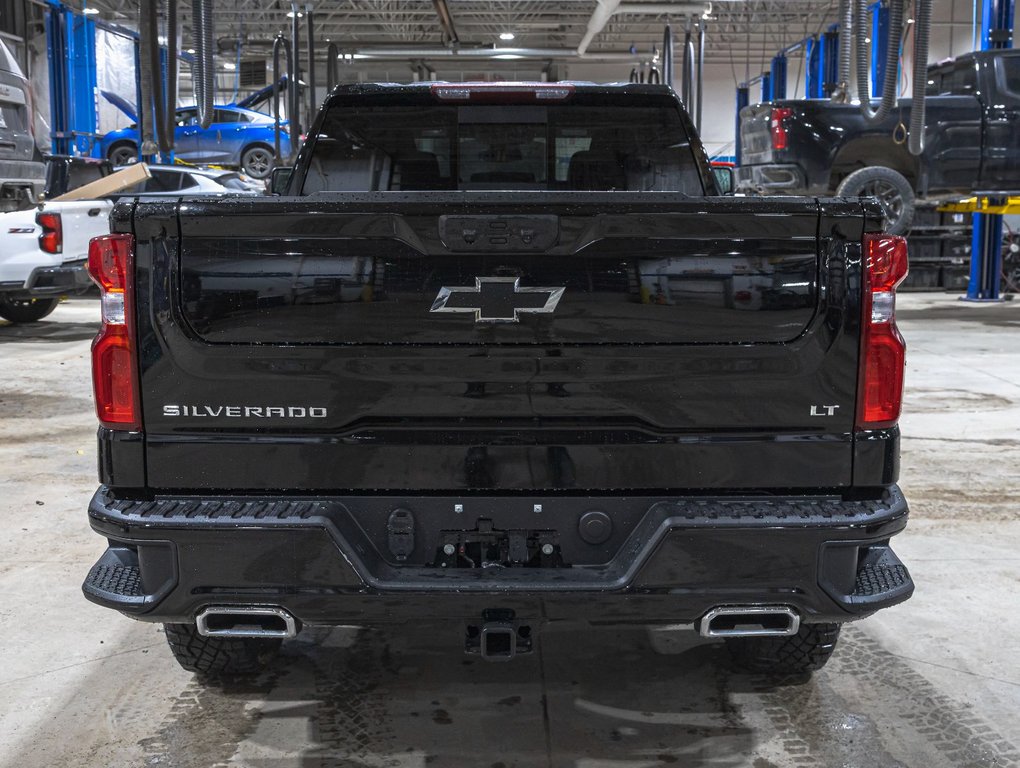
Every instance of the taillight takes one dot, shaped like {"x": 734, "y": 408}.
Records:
{"x": 114, "y": 361}
{"x": 883, "y": 353}
{"x": 779, "y": 137}
{"x": 52, "y": 238}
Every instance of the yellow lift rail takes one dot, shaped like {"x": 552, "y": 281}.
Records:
{"x": 982, "y": 205}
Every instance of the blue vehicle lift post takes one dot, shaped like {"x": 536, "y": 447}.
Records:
{"x": 879, "y": 46}
{"x": 71, "y": 51}
{"x": 986, "y": 245}
{"x": 830, "y": 61}
{"x": 766, "y": 86}
{"x": 777, "y": 76}
{"x": 814, "y": 78}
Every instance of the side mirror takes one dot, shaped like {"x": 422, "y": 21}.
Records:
{"x": 280, "y": 179}
{"x": 725, "y": 178}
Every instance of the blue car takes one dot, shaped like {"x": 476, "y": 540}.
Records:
{"x": 237, "y": 137}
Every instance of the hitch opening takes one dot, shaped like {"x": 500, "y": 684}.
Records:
{"x": 499, "y": 637}
{"x": 498, "y": 642}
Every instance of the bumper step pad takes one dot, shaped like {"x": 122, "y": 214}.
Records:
{"x": 123, "y": 580}
{"x": 879, "y": 579}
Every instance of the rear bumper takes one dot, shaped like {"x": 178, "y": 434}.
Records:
{"x": 68, "y": 278}
{"x": 22, "y": 173}
{"x": 326, "y": 560}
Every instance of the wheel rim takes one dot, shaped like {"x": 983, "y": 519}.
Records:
{"x": 122, "y": 155}
{"x": 257, "y": 163}
{"x": 889, "y": 198}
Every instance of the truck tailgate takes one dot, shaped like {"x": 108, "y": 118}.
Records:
{"x": 567, "y": 342}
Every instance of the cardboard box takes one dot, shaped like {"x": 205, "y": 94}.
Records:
{"x": 115, "y": 182}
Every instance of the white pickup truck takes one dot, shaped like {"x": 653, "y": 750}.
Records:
{"x": 43, "y": 249}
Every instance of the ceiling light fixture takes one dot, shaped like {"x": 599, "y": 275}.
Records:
{"x": 229, "y": 65}
{"x": 506, "y": 35}
{"x": 90, "y": 11}
{"x": 290, "y": 15}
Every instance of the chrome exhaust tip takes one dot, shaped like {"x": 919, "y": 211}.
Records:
{"x": 265, "y": 621}
{"x": 750, "y": 621}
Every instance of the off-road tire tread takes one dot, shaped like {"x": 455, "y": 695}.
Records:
{"x": 218, "y": 656}
{"x": 805, "y": 652}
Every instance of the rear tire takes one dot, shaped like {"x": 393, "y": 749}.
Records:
{"x": 802, "y": 653}
{"x": 26, "y": 310}
{"x": 219, "y": 656}
{"x": 257, "y": 162}
{"x": 123, "y": 153}
{"x": 891, "y": 188}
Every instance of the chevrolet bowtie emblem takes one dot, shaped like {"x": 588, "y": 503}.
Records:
{"x": 497, "y": 299}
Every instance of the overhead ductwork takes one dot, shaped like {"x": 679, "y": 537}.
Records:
{"x": 665, "y": 9}
{"x": 395, "y": 54}
{"x": 606, "y": 9}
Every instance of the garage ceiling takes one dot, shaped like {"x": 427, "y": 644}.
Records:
{"x": 739, "y": 30}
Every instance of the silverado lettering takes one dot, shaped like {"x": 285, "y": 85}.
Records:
{"x": 246, "y": 411}
{"x": 650, "y": 452}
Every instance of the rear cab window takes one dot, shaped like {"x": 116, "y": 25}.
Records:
{"x": 1007, "y": 75}
{"x": 81, "y": 174}
{"x": 595, "y": 142}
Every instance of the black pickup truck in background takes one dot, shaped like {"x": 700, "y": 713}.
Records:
{"x": 500, "y": 356}
{"x": 820, "y": 147}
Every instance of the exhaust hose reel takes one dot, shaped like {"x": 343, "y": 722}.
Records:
{"x": 889, "y": 81}
{"x": 842, "y": 92}
{"x": 201, "y": 20}
{"x": 171, "y": 73}
{"x": 922, "y": 32}
{"x": 146, "y": 41}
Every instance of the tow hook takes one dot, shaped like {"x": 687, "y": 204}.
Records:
{"x": 499, "y": 637}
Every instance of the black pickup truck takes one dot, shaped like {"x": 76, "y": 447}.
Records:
{"x": 819, "y": 147}
{"x": 502, "y": 356}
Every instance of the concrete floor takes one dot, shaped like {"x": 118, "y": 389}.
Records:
{"x": 934, "y": 683}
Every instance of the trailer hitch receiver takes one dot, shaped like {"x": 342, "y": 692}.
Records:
{"x": 498, "y": 637}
